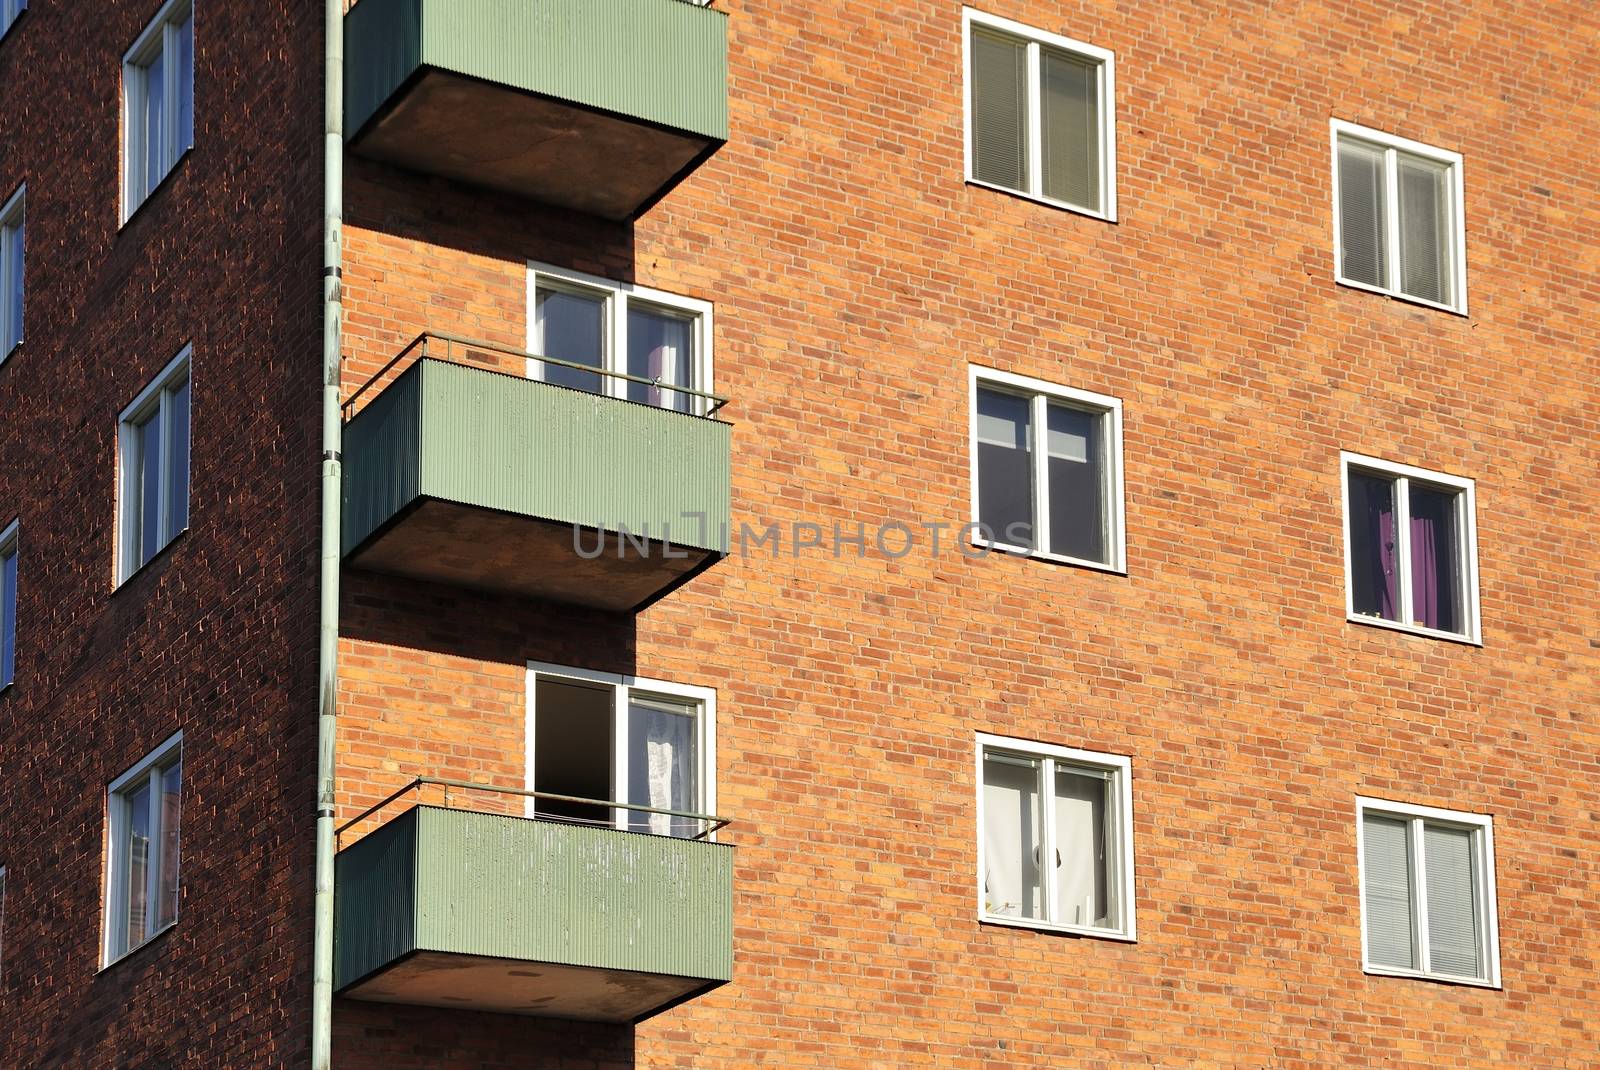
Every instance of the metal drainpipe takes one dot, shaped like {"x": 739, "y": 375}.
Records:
{"x": 332, "y": 491}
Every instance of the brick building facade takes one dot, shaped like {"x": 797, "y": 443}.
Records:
{"x": 857, "y": 277}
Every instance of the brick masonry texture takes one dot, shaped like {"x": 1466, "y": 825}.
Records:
{"x": 856, "y": 276}
{"x": 217, "y": 635}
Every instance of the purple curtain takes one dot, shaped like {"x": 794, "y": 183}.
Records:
{"x": 1425, "y": 571}
{"x": 1390, "y": 597}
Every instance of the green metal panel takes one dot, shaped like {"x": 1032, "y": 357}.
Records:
{"x": 535, "y": 891}
{"x": 497, "y": 441}
{"x": 375, "y": 906}
{"x": 662, "y": 61}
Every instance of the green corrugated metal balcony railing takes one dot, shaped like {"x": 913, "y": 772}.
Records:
{"x": 598, "y": 105}
{"x": 495, "y": 912}
{"x": 478, "y": 478}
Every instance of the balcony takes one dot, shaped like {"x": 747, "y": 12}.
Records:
{"x": 597, "y": 105}
{"x": 469, "y": 910}
{"x": 477, "y": 478}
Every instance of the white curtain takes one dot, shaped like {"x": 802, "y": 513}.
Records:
{"x": 662, "y": 765}
{"x": 1011, "y": 832}
{"x": 1080, "y": 848}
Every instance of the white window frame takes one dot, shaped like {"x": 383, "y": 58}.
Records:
{"x": 1467, "y": 510}
{"x": 1041, "y": 393}
{"x": 13, "y": 228}
{"x": 1121, "y": 770}
{"x": 621, "y": 687}
{"x": 1035, "y": 38}
{"x": 1482, "y": 828}
{"x": 114, "y": 894}
{"x": 152, "y": 399}
{"x": 8, "y": 597}
{"x": 10, "y": 11}
{"x": 160, "y": 37}
{"x": 618, "y": 298}
{"x": 1392, "y": 146}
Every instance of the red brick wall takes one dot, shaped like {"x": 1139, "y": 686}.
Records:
{"x": 855, "y": 276}
{"x": 217, "y": 635}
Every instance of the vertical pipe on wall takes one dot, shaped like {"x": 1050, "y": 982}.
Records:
{"x": 332, "y": 477}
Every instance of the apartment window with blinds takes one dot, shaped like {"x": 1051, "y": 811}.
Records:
{"x": 157, "y": 102}
{"x": 143, "y": 812}
{"x": 11, "y": 272}
{"x": 1062, "y": 502}
{"x": 1411, "y": 558}
{"x": 661, "y": 341}
{"x": 1039, "y": 115}
{"x": 1055, "y": 838}
{"x": 1427, "y": 893}
{"x": 1398, "y": 220}
{"x": 153, "y": 449}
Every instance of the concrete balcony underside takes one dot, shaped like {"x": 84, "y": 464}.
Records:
{"x": 475, "y": 478}
{"x": 489, "y": 912}
{"x": 597, "y": 105}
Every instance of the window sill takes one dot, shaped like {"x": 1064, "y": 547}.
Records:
{"x": 1054, "y": 927}
{"x": 1045, "y": 555}
{"x": 132, "y": 951}
{"x": 1436, "y": 978}
{"x": 1414, "y": 629}
{"x": 1037, "y": 198}
{"x": 1398, "y": 296}
{"x": 155, "y": 557}
{"x": 130, "y": 215}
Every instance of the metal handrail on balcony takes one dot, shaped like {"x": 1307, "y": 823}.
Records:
{"x": 711, "y": 822}
{"x": 427, "y": 340}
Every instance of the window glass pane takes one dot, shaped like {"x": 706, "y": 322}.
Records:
{"x": 1425, "y": 230}
{"x": 1436, "y": 572}
{"x": 8, "y": 611}
{"x": 999, "y": 110}
{"x": 154, "y": 100}
{"x": 12, "y": 241}
{"x": 663, "y": 765}
{"x": 1373, "y": 548}
{"x": 1363, "y": 248}
{"x": 1005, "y": 474}
{"x": 138, "y": 859}
{"x": 1452, "y": 901}
{"x": 661, "y": 346}
{"x": 572, "y": 328}
{"x": 1012, "y": 881}
{"x": 1078, "y": 475}
{"x": 1082, "y": 802}
{"x": 167, "y": 909}
{"x": 185, "y": 61}
{"x": 178, "y": 459}
{"x": 1069, "y": 102}
{"x": 1386, "y": 862}
{"x": 147, "y": 455}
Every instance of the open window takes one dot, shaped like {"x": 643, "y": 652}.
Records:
{"x": 619, "y": 739}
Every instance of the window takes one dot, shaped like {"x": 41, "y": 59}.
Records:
{"x": 1399, "y": 226}
{"x": 1064, "y": 505}
{"x": 9, "y": 10}
{"x": 142, "y": 859}
{"x": 614, "y": 327}
{"x": 8, "y": 605}
{"x": 11, "y": 274}
{"x": 1427, "y": 892}
{"x": 1411, "y": 556}
{"x": 154, "y": 451}
{"x": 617, "y": 738}
{"x": 2, "y": 922}
{"x": 157, "y": 102}
{"x": 1039, "y": 119}
{"x": 1072, "y": 809}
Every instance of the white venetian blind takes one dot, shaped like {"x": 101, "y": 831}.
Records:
{"x": 1069, "y": 104}
{"x": 999, "y": 110}
{"x": 1424, "y": 228}
{"x": 1453, "y": 945}
{"x": 1363, "y": 253}
{"x": 1387, "y": 908}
